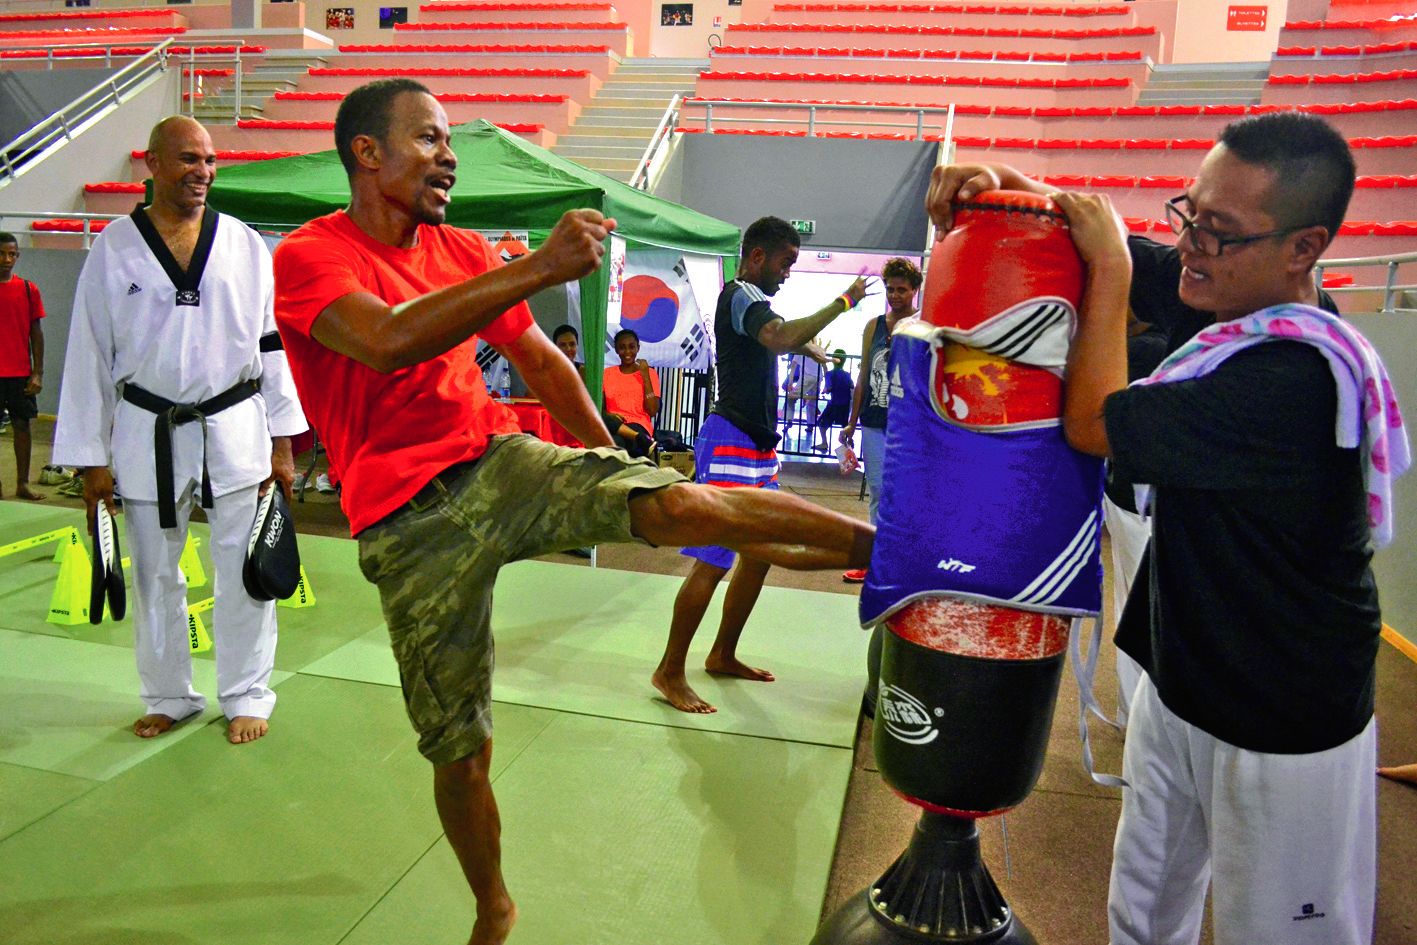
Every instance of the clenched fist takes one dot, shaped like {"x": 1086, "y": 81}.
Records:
{"x": 575, "y": 246}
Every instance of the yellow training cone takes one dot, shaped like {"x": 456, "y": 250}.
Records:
{"x": 304, "y": 595}
{"x": 197, "y": 637}
{"x": 69, "y": 541}
{"x": 191, "y": 563}
{"x": 69, "y": 604}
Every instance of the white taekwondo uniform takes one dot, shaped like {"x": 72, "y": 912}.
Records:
{"x": 143, "y": 326}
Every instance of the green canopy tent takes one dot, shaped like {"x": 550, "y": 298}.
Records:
{"x": 504, "y": 183}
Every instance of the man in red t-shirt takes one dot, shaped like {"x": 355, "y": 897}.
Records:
{"x": 380, "y": 308}
{"x": 21, "y": 357}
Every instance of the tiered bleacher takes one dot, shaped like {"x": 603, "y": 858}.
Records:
{"x": 1052, "y": 89}
{"x": 1060, "y": 101}
{"x": 528, "y": 67}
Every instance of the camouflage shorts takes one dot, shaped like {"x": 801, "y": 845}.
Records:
{"x": 435, "y": 563}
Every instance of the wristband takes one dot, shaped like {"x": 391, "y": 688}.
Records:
{"x": 846, "y": 302}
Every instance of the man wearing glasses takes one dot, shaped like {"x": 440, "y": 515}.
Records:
{"x": 1251, "y": 746}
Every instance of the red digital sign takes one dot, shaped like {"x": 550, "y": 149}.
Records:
{"x": 1247, "y": 19}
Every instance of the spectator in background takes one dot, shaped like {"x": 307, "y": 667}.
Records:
{"x": 902, "y": 279}
{"x": 631, "y": 390}
{"x": 21, "y": 358}
{"x": 569, "y": 341}
{"x": 840, "y": 388}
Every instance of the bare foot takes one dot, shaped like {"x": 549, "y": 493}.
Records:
{"x": 153, "y": 725}
{"x": 245, "y": 728}
{"x": 677, "y": 693}
{"x": 25, "y": 492}
{"x": 1406, "y": 773}
{"x": 493, "y": 925}
{"x": 731, "y": 666}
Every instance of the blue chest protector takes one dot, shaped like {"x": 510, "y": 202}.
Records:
{"x": 1008, "y": 517}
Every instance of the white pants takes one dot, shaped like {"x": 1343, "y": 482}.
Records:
{"x": 243, "y": 629}
{"x": 1129, "y": 533}
{"x": 1288, "y": 843}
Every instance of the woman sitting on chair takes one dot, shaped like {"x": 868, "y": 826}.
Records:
{"x": 631, "y": 391}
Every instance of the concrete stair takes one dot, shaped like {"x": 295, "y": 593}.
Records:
{"x": 615, "y": 128}
{"x": 279, "y": 70}
{"x": 1237, "y": 83}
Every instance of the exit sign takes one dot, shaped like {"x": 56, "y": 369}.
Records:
{"x": 1245, "y": 19}
{"x": 805, "y": 227}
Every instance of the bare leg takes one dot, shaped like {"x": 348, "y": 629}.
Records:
{"x": 771, "y": 526}
{"x": 22, "y": 461}
{"x": 463, "y": 791}
{"x": 689, "y": 607}
{"x": 743, "y": 590}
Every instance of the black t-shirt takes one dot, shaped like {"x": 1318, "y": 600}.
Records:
{"x": 1154, "y": 299}
{"x": 747, "y": 394}
{"x": 1255, "y": 611}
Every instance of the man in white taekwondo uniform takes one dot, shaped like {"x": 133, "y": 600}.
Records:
{"x": 175, "y": 380}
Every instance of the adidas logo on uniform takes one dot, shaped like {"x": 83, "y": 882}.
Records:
{"x": 134, "y": 288}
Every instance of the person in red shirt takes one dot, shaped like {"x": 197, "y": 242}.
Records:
{"x": 631, "y": 395}
{"x": 380, "y": 307}
{"x": 21, "y": 357}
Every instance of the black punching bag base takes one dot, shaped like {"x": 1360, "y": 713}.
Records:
{"x": 937, "y": 891}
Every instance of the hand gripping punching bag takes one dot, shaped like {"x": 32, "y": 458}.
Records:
{"x": 986, "y": 549}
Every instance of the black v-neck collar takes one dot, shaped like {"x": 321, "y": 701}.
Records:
{"x": 192, "y": 278}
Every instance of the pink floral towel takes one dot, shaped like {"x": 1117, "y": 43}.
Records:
{"x": 1368, "y": 416}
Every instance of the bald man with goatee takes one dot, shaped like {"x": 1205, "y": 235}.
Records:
{"x": 175, "y": 384}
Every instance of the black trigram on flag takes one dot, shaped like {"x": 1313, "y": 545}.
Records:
{"x": 692, "y": 342}
{"x": 487, "y": 357}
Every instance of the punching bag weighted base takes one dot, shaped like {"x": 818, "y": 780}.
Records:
{"x": 937, "y": 891}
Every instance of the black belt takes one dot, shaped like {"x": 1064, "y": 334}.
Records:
{"x": 170, "y": 415}
{"x": 439, "y": 485}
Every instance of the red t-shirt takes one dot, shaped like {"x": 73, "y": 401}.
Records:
{"x": 625, "y": 395}
{"x": 20, "y": 307}
{"x": 387, "y": 435}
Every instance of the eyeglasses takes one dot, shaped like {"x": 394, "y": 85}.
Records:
{"x": 1207, "y": 241}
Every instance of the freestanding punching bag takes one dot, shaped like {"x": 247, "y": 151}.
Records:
{"x": 986, "y": 550}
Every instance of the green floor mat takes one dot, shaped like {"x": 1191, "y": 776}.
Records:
{"x": 587, "y": 639}
{"x": 287, "y": 841}
{"x": 67, "y": 706}
{"x": 29, "y": 794}
{"x": 643, "y": 835}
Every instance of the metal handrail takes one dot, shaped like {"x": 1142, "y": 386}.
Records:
{"x": 640, "y": 179}
{"x": 1390, "y": 287}
{"x": 51, "y": 51}
{"x": 89, "y": 218}
{"x": 63, "y": 122}
{"x": 665, "y": 130}
{"x": 190, "y": 61}
{"x": 812, "y": 109}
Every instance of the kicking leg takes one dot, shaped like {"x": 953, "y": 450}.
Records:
{"x": 689, "y": 607}
{"x": 468, "y": 810}
{"x": 743, "y": 590}
{"x": 775, "y": 528}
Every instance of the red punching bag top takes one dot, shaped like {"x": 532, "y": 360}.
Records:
{"x": 1006, "y": 247}
{"x": 1004, "y": 286}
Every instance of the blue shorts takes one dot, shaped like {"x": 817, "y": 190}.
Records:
{"x": 725, "y": 456}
